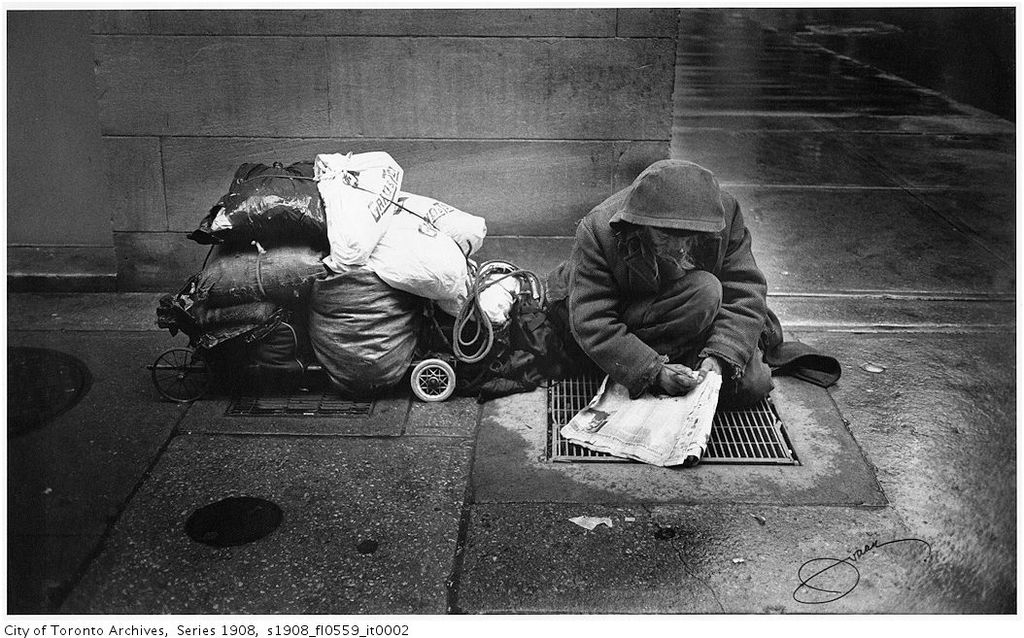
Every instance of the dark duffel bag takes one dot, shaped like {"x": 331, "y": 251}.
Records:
{"x": 363, "y": 331}
{"x": 283, "y": 275}
{"x": 286, "y": 348}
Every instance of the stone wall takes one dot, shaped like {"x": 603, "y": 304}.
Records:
{"x": 526, "y": 117}
{"x": 58, "y": 220}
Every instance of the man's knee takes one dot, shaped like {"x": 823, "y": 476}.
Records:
{"x": 753, "y": 385}
{"x": 706, "y": 296}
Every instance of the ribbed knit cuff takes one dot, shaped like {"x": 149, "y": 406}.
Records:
{"x": 735, "y": 370}
{"x": 647, "y": 378}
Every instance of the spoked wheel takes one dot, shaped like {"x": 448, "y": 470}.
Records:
{"x": 432, "y": 380}
{"x": 180, "y": 375}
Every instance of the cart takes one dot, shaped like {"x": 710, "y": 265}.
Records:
{"x": 184, "y": 375}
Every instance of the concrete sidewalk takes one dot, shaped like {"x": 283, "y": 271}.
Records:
{"x": 883, "y": 217}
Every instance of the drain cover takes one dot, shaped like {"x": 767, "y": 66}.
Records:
{"x": 233, "y": 521}
{"x": 299, "y": 403}
{"x": 752, "y": 435}
{"x": 42, "y": 384}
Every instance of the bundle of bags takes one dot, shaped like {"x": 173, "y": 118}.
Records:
{"x": 268, "y": 238}
{"x": 328, "y": 258}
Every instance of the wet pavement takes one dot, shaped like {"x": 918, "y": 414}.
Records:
{"x": 339, "y": 503}
{"x": 728, "y": 63}
{"x": 701, "y": 559}
{"x": 933, "y": 48}
{"x": 883, "y": 217}
{"x": 511, "y": 465}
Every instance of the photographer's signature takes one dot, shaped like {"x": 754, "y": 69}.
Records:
{"x": 826, "y": 580}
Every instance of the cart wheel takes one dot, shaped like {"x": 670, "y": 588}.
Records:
{"x": 180, "y": 375}
{"x": 432, "y": 380}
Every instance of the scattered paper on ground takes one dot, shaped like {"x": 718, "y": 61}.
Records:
{"x": 660, "y": 430}
{"x": 873, "y": 368}
{"x": 590, "y": 522}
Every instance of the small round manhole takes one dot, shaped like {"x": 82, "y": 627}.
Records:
{"x": 233, "y": 521}
{"x": 42, "y": 384}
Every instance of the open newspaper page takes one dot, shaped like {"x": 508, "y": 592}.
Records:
{"x": 661, "y": 430}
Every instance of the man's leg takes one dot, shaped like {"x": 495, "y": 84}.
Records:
{"x": 576, "y": 361}
{"x": 753, "y": 385}
{"x": 674, "y": 321}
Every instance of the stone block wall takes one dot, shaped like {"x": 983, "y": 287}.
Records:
{"x": 58, "y": 225}
{"x": 527, "y": 117}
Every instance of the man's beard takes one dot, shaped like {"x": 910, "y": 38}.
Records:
{"x": 687, "y": 251}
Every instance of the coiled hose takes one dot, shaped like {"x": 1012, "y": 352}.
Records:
{"x": 489, "y": 274}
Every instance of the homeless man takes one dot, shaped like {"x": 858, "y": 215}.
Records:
{"x": 661, "y": 282}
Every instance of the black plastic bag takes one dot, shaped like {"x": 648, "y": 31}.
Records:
{"x": 272, "y": 205}
{"x": 363, "y": 331}
{"x": 526, "y": 352}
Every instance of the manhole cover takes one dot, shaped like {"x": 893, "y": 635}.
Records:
{"x": 299, "y": 403}
{"x": 750, "y": 436}
{"x": 233, "y": 521}
{"x": 42, "y": 384}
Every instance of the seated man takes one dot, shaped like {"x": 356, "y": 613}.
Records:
{"x": 661, "y": 282}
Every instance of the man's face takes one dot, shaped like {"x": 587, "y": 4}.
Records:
{"x": 671, "y": 240}
{"x": 681, "y": 246}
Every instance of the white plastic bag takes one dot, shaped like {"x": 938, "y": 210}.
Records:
{"x": 496, "y": 299}
{"x": 358, "y": 192}
{"x": 416, "y": 257}
{"x": 453, "y": 305}
{"x": 467, "y": 230}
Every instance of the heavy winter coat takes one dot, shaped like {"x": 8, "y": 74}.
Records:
{"x": 611, "y": 267}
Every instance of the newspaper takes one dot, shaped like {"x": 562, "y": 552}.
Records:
{"x": 661, "y": 430}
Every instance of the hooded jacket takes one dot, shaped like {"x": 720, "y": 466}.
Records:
{"x": 611, "y": 267}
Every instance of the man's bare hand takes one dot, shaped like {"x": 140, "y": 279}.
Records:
{"x": 675, "y": 379}
{"x": 711, "y": 363}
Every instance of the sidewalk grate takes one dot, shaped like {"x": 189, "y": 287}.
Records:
{"x": 752, "y": 435}
{"x": 300, "y": 403}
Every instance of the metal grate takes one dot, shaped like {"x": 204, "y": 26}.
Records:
{"x": 750, "y": 436}
{"x": 319, "y": 403}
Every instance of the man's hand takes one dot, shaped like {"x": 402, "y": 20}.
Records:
{"x": 710, "y": 364}
{"x": 675, "y": 379}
